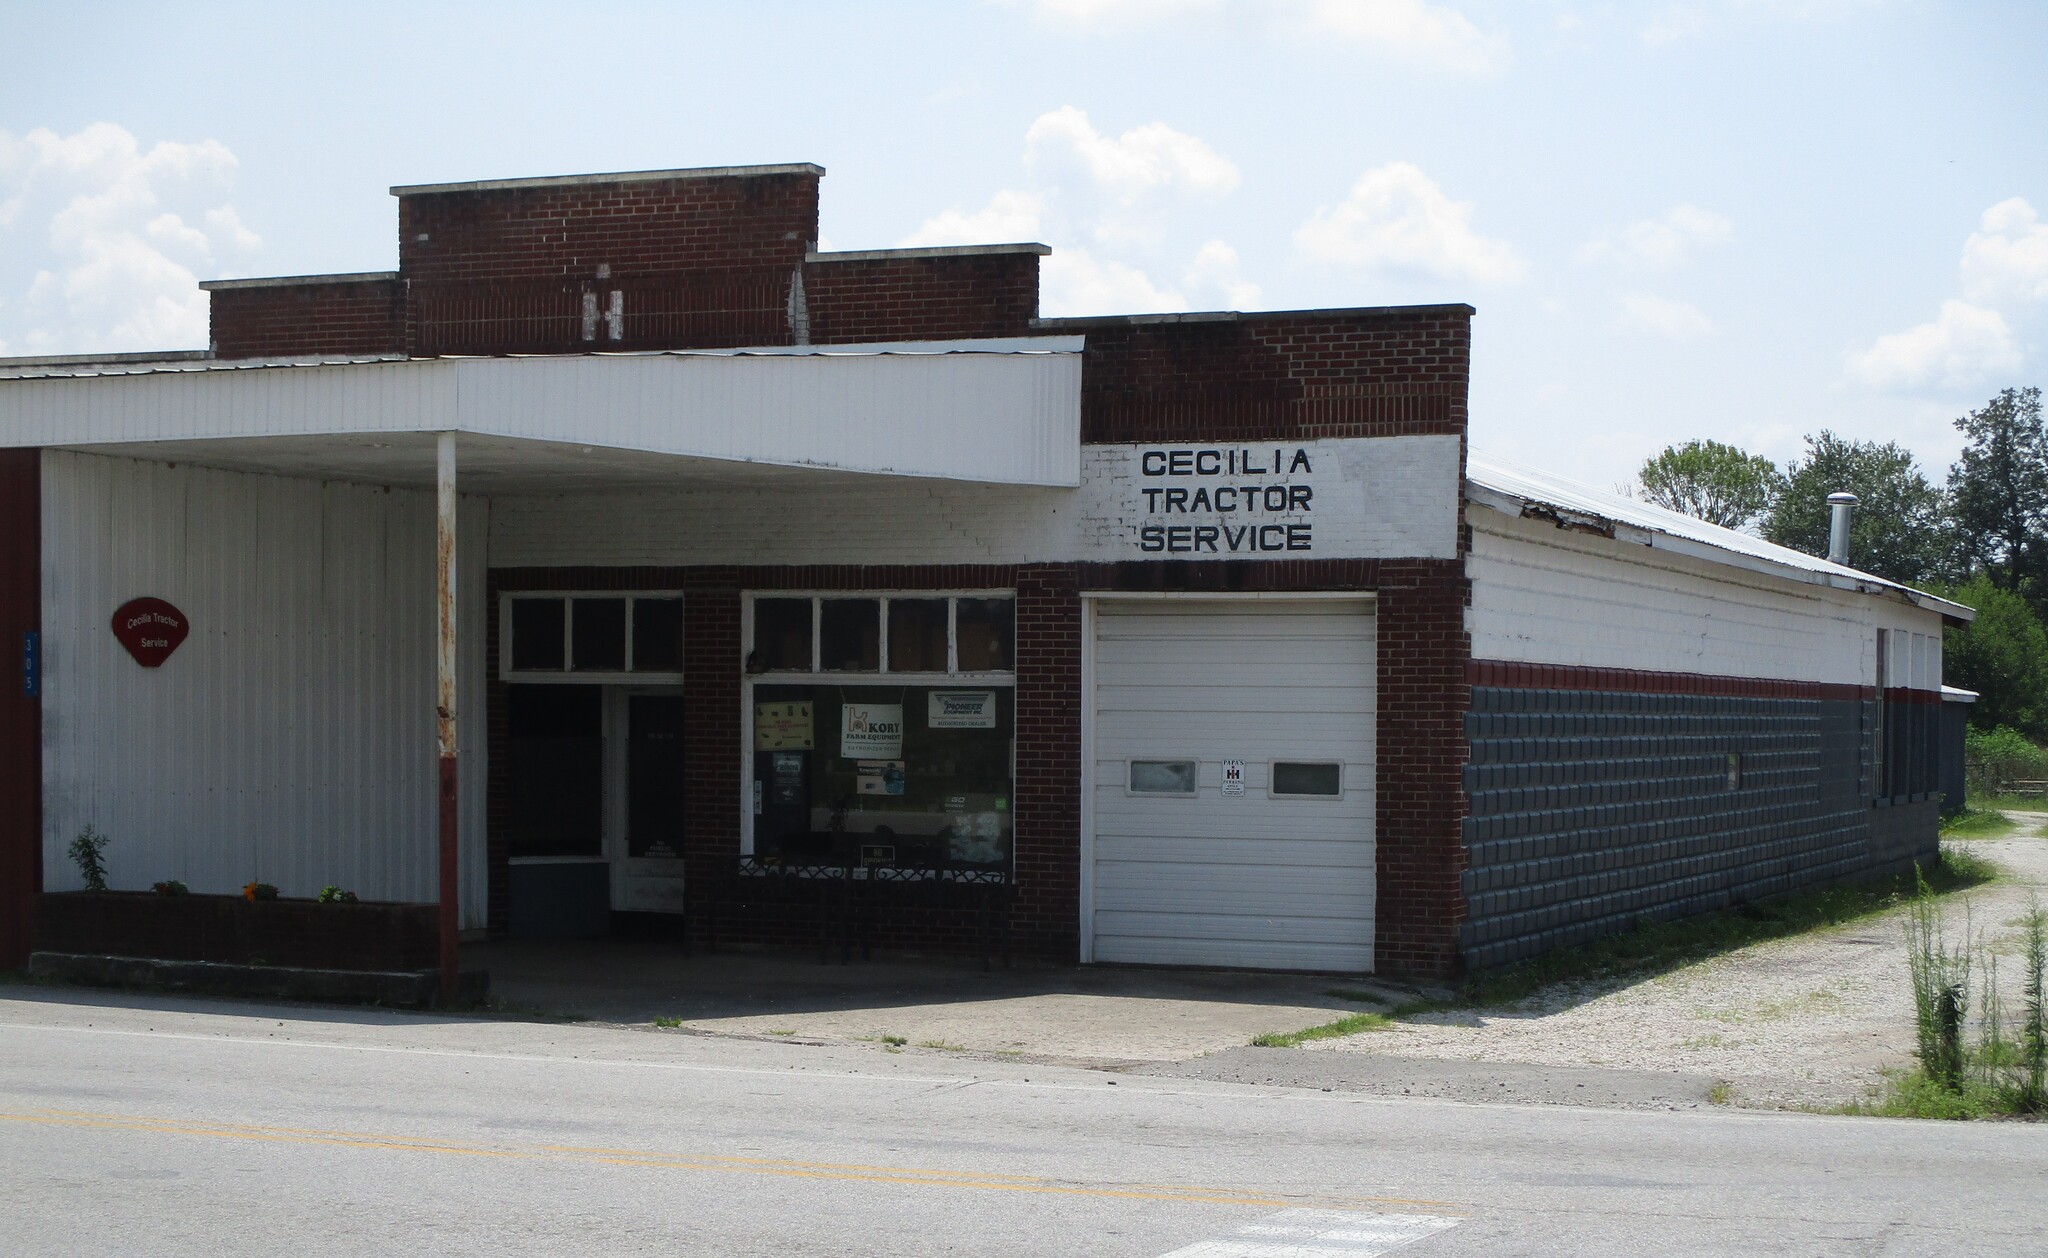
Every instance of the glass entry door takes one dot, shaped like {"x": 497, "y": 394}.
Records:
{"x": 645, "y": 812}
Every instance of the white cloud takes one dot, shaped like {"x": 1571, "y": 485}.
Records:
{"x": 1010, "y": 215}
{"x": 1430, "y": 33}
{"x": 1680, "y": 232}
{"x": 1963, "y": 345}
{"x": 1216, "y": 267}
{"x": 2006, "y": 258}
{"x": 122, "y": 229}
{"x": 1664, "y": 316}
{"x": 1398, "y": 219}
{"x": 1076, "y": 282}
{"x": 1143, "y": 159}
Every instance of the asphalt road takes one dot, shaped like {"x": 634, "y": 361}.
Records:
{"x": 158, "y": 1126}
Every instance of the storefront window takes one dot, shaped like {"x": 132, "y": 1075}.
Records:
{"x": 988, "y": 630}
{"x": 850, "y": 635}
{"x": 600, "y": 629}
{"x": 565, "y": 635}
{"x": 782, "y": 635}
{"x": 917, "y": 635}
{"x": 916, "y": 776}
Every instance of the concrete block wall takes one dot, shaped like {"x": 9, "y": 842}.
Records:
{"x": 1598, "y": 801}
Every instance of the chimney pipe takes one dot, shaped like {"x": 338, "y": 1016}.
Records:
{"x": 1840, "y": 505}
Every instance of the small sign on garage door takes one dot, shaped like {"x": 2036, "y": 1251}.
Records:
{"x": 1233, "y": 777}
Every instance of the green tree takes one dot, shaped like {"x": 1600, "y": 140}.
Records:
{"x": 2002, "y": 655}
{"x": 1999, "y": 489}
{"x": 1900, "y": 529}
{"x": 1714, "y": 482}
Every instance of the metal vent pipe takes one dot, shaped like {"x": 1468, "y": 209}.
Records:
{"x": 1839, "y": 505}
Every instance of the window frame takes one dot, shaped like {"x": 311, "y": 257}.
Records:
{"x": 952, "y": 671}
{"x": 1273, "y": 792}
{"x": 568, "y": 674}
{"x": 816, "y": 676}
{"x": 1134, "y": 793}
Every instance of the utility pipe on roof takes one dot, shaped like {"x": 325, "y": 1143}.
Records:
{"x": 1840, "y": 505}
{"x": 444, "y": 710}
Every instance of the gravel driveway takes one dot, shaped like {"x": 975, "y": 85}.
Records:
{"x": 1806, "y": 1022}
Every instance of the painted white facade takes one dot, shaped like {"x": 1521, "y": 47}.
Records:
{"x": 290, "y": 738}
{"x": 1368, "y": 498}
{"x": 1546, "y": 595}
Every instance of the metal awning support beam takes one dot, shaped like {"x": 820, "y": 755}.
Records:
{"x": 444, "y": 712}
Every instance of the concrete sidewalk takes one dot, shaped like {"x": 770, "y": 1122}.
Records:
{"x": 1071, "y": 1014}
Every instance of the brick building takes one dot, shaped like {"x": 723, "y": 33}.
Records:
{"x": 790, "y": 588}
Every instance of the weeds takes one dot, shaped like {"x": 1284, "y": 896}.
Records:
{"x": 1977, "y": 823}
{"x": 2000, "y": 1070}
{"x": 668, "y": 1024}
{"x": 88, "y": 852}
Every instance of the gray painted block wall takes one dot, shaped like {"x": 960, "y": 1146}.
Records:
{"x": 1594, "y": 810}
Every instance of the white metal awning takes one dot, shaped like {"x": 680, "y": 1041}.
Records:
{"x": 1005, "y": 411}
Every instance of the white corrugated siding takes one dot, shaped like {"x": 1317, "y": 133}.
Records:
{"x": 1007, "y": 418}
{"x": 1249, "y": 881}
{"x": 290, "y": 739}
{"x": 1543, "y": 595}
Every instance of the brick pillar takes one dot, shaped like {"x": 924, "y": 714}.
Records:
{"x": 1423, "y": 697}
{"x": 1048, "y": 804}
{"x": 21, "y": 715}
{"x": 712, "y": 656}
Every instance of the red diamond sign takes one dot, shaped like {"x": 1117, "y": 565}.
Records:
{"x": 151, "y": 629}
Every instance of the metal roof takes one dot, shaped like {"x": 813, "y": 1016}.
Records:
{"x": 1521, "y": 491}
{"x": 999, "y": 411}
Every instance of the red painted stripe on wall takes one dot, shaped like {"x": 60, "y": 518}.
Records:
{"x": 21, "y": 715}
{"x": 1519, "y": 676}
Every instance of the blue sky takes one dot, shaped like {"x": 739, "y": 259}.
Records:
{"x": 1727, "y": 218}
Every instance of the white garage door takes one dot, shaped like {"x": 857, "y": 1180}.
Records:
{"x": 1187, "y": 870}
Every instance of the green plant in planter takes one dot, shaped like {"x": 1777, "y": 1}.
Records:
{"x": 335, "y": 895}
{"x": 255, "y": 891}
{"x": 88, "y": 851}
{"x": 170, "y": 886}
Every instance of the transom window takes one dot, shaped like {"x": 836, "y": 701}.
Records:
{"x": 930, "y": 634}
{"x": 584, "y": 635}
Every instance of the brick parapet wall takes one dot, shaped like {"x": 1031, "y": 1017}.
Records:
{"x": 1280, "y": 376}
{"x": 913, "y": 299}
{"x": 640, "y": 228}
{"x": 317, "y": 317}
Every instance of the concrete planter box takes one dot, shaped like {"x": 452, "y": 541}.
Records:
{"x": 230, "y": 930}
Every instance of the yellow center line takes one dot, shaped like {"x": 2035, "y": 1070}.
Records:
{"x": 658, "y": 1160}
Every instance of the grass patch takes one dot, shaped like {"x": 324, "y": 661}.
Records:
{"x": 1722, "y": 1093}
{"x": 668, "y": 1024}
{"x": 1915, "y": 1094}
{"x": 1991, "y": 801}
{"x": 893, "y": 1041}
{"x": 1352, "y": 1025}
{"x": 942, "y": 1045}
{"x": 1977, "y": 823}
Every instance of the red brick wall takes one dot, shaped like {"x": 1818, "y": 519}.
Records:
{"x": 1275, "y": 377}
{"x": 909, "y": 299}
{"x": 649, "y": 227}
{"x": 21, "y": 717}
{"x": 702, "y": 262}
{"x": 357, "y": 317}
